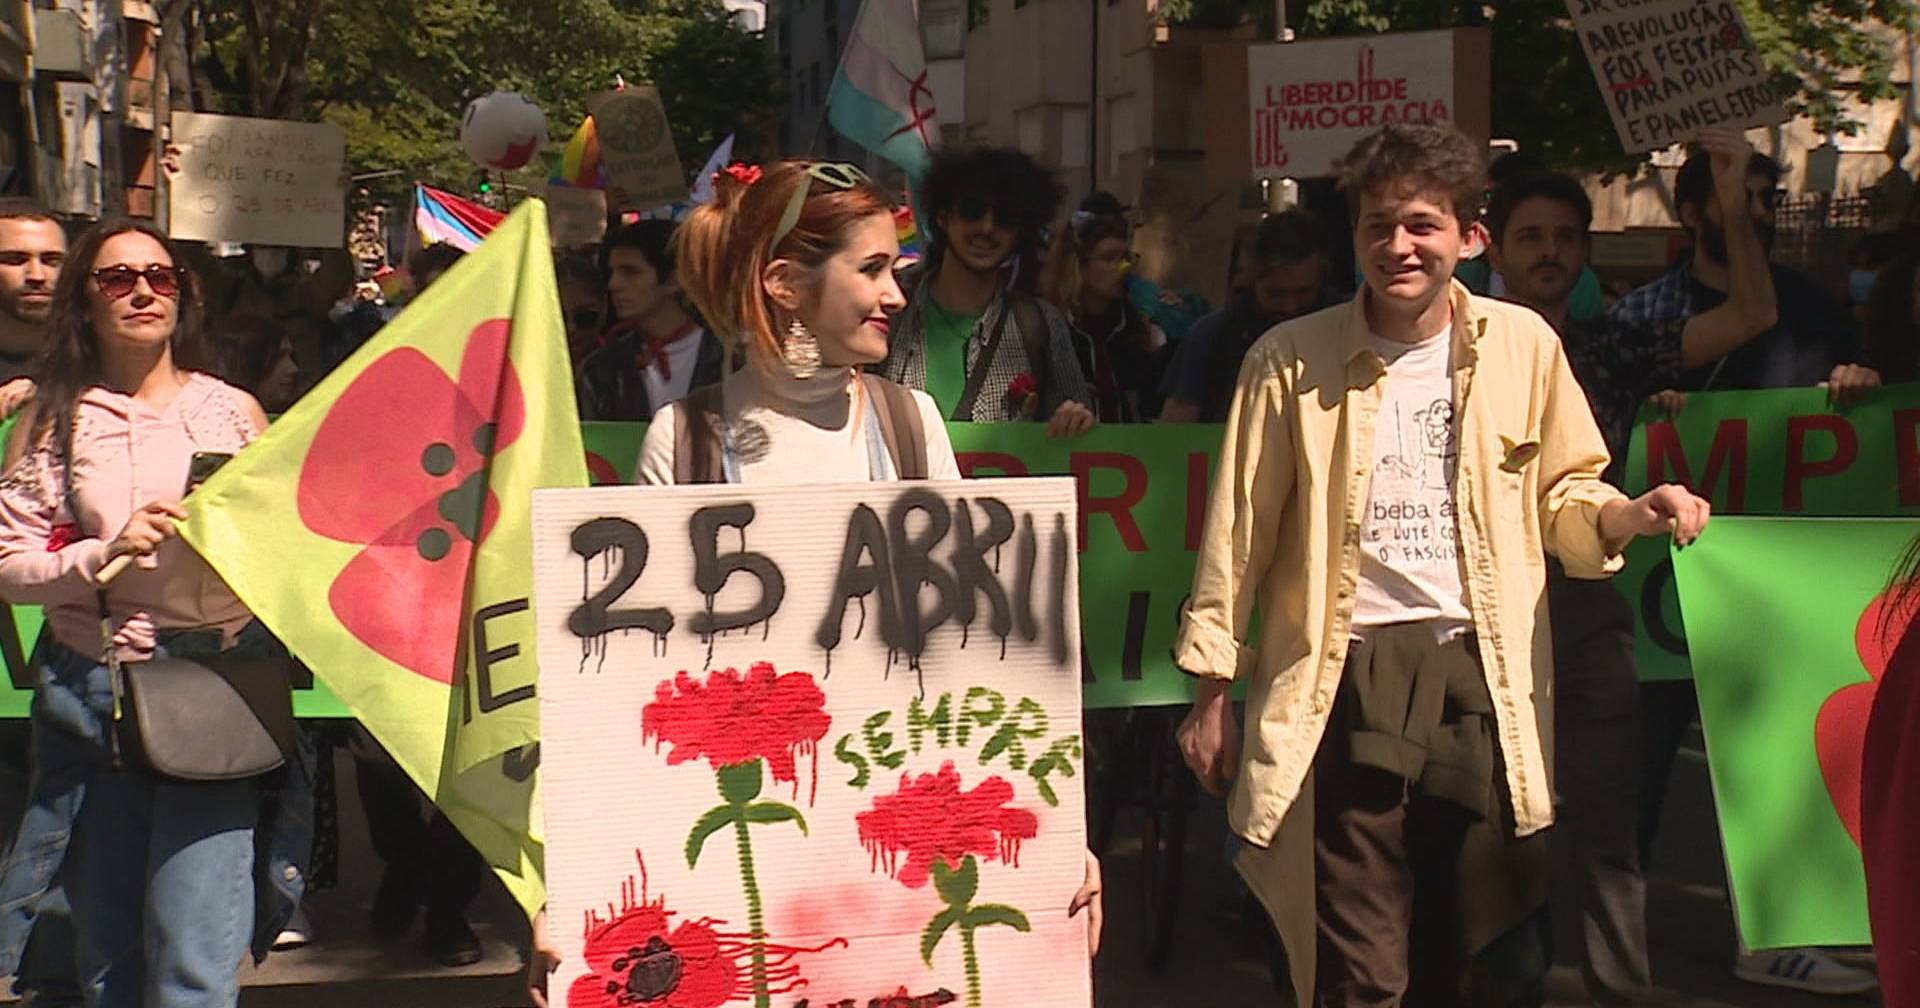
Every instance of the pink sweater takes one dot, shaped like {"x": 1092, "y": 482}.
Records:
{"x": 126, "y": 455}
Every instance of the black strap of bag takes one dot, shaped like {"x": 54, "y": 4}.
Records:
{"x": 1035, "y": 341}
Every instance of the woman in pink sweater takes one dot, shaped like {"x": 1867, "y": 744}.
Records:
{"x": 161, "y": 872}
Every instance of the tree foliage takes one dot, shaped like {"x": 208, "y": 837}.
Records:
{"x": 1820, "y": 52}
{"x": 398, "y": 74}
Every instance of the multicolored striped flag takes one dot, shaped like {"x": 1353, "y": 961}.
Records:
{"x": 381, "y": 529}
{"x": 440, "y": 216}
{"x": 880, "y": 97}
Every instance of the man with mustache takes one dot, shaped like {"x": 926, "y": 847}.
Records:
{"x": 973, "y": 335}
{"x": 32, "y": 248}
{"x": 1725, "y": 318}
{"x": 1539, "y": 227}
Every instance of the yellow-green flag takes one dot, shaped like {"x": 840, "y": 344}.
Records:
{"x": 381, "y": 529}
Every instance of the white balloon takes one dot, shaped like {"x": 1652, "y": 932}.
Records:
{"x": 503, "y": 130}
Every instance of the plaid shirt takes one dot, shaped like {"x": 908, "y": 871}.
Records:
{"x": 1812, "y": 336}
{"x": 1619, "y": 365}
{"x": 906, "y": 362}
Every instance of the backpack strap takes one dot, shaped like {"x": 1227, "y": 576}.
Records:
{"x": 696, "y": 449}
{"x": 977, "y": 377}
{"x": 900, "y": 426}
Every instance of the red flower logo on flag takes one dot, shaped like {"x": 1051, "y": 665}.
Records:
{"x": 1840, "y": 729}
{"x": 931, "y": 819}
{"x": 400, "y": 465}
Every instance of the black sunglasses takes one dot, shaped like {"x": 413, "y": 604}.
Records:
{"x": 585, "y": 318}
{"x": 974, "y": 208}
{"x": 117, "y": 282}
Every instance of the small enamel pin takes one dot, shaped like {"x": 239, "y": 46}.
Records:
{"x": 1518, "y": 455}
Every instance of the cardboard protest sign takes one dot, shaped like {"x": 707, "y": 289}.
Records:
{"x": 1785, "y": 711}
{"x": 1777, "y": 452}
{"x": 1312, "y": 101}
{"x": 811, "y": 745}
{"x": 1667, "y": 68}
{"x": 1142, "y": 495}
{"x": 636, "y": 147}
{"x": 263, "y": 181}
{"x": 575, "y": 216}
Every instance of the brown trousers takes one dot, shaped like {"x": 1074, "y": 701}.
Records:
{"x": 1382, "y": 895}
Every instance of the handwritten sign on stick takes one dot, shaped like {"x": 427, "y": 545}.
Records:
{"x": 812, "y": 745}
{"x": 266, "y": 181}
{"x": 636, "y": 147}
{"x": 1667, "y": 68}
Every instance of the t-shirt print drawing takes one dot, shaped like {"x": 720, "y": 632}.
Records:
{"x": 1410, "y": 554}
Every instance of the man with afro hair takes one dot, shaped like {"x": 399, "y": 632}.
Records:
{"x": 973, "y": 334}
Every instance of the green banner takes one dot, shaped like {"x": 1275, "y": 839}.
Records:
{"x": 1143, "y": 494}
{"x": 1785, "y": 711}
{"x": 1780, "y": 452}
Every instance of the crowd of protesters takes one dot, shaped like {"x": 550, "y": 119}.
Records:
{"x": 1379, "y": 757}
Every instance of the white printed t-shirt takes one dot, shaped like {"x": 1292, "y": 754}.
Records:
{"x": 1409, "y": 543}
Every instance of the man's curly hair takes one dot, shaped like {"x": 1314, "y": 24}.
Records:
{"x": 1021, "y": 192}
{"x": 1427, "y": 156}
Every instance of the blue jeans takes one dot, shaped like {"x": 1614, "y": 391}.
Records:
{"x": 160, "y": 875}
{"x": 163, "y": 875}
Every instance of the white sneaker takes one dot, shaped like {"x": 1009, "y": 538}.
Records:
{"x": 1804, "y": 969}
{"x": 297, "y": 934}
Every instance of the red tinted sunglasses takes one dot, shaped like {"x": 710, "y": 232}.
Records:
{"x": 117, "y": 282}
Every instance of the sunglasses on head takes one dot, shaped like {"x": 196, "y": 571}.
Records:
{"x": 837, "y": 175}
{"x": 117, "y": 282}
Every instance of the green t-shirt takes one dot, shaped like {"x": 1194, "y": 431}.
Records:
{"x": 947, "y": 336}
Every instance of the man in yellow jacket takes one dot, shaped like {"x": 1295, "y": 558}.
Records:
{"x": 1393, "y": 474}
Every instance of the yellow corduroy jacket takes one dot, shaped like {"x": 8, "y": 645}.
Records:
{"x": 1284, "y": 519}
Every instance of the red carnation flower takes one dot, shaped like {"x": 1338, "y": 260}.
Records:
{"x": 931, "y": 819}
{"x": 1023, "y": 394}
{"x": 737, "y": 718}
{"x": 638, "y": 958}
{"x": 61, "y": 536}
{"x": 745, "y": 174}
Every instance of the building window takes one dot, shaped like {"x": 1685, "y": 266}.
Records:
{"x": 978, "y": 13}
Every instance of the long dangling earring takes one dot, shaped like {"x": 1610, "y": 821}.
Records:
{"x": 800, "y": 351}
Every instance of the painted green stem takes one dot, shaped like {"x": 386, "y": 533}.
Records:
{"x": 972, "y": 960}
{"x": 756, "y": 918}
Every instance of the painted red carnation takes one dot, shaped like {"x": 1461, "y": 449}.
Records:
{"x": 736, "y": 717}
{"x": 931, "y": 818}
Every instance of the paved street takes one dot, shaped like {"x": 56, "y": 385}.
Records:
{"x": 1216, "y": 959}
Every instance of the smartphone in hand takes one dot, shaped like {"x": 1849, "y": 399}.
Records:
{"x": 203, "y": 465}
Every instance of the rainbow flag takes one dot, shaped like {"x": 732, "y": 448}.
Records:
{"x": 580, "y": 159}
{"x": 443, "y": 217}
{"x": 880, "y": 97}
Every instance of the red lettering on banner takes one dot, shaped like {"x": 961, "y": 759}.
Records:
{"x": 998, "y": 463}
{"x": 1906, "y": 453}
{"x": 1729, "y": 452}
{"x": 1359, "y": 103}
{"x": 1196, "y": 498}
{"x": 1799, "y": 470}
{"x": 1118, "y": 507}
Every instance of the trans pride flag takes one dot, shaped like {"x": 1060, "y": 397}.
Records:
{"x": 880, "y": 97}
{"x": 443, "y": 217}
